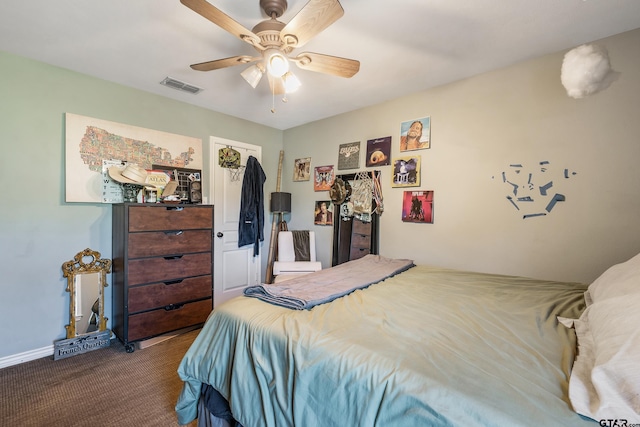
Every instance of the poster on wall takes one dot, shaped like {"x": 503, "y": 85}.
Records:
{"x": 406, "y": 172}
{"x": 349, "y": 156}
{"x": 415, "y": 134}
{"x": 417, "y": 206}
{"x": 378, "y": 152}
{"x": 301, "y": 169}
{"x": 90, "y": 141}
{"x": 111, "y": 191}
{"x": 323, "y": 213}
{"x": 323, "y": 177}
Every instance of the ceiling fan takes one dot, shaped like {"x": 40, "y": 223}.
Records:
{"x": 275, "y": 40}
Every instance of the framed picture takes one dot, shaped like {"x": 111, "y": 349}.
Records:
{"x": 415, "y": 134}
{"x": 417, "y": 206}
{"x": 323, "y": 177}
{"x": 406, "y": 172}
{"x": 379, "y": 152}
{"x": 349, "y": 156}
{"x": 301, "y": 169}
{"x": 323, "y": 213}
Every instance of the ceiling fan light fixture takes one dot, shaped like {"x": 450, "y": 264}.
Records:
{"x": 275, "y": 40}
{"x": 253, "y": 74}
{"x": 277, "y": 63}
{"x": 291, "y": 82}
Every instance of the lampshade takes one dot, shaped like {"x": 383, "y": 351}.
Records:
{"x": 291, "y": 82}
{"x": 277, "y": 64}
{"x": 253, "y": 74}
{"x": 280, "y": 202}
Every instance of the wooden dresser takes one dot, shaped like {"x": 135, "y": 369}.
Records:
{"x": 353, "y": 239}
{"x": 162, "y": 269}
{"x": 360, "y": 239}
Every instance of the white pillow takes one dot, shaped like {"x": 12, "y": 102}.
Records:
{"x": 605, "y": 380}
{"x": 619, "y": 280}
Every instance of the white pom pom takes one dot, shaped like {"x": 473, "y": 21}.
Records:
{"x": 586, "y": 70}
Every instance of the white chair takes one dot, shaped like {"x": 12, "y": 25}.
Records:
{"x": 286, "y": 267}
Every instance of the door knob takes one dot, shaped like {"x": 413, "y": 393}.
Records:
{"x": 219, "y": 234}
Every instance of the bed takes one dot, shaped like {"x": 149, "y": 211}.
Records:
{"x": 424, "y": 347}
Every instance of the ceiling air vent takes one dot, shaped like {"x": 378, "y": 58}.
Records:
{"x": 177, "y": 84}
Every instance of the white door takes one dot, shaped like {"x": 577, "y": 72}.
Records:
{"x": 234, "y": 268}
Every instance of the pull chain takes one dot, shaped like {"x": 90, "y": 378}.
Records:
{"x": 273, "y": 99}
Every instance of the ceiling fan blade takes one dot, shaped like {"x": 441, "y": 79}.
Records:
{"x": 327, "y": 64}
{"x": 223, "y": 63}
{"x": 276, "y": 85}
{"x": 222, "y": 20}
{"x": 314, "y": 17}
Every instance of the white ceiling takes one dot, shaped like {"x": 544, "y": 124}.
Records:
{"x": 403, "y": 46}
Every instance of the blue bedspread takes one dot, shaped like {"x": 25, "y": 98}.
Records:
{"x": 427, "y": 347}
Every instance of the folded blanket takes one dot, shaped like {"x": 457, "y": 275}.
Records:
{"x": 326, "y": 285}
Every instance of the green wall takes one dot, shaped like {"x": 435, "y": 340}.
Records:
{"x": 38, "y": 230}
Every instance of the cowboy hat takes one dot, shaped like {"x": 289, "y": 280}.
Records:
{"x": 340, "y": 191}
{"x": 131, "y": 174}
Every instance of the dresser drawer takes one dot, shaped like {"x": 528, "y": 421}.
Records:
{"x": 162, "y": 269}
{"x": 356, "y": 253}
{"x": 360, "y": 227}
{"x": 158, "y": 243}
{"x": 157, "y": 218}
{"x": 360, "y": 241}
{"x": 148, "y": 297}
{"x": 168, "y": 319}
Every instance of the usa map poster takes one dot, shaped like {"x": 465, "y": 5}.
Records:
{"x": 90, "y": 141}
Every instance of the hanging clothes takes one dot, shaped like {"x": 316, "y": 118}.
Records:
{"x": 251, "y": 222}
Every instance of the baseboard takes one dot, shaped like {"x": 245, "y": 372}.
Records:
{"x": 38, "y": 353}
{"x": 27, "y": 356}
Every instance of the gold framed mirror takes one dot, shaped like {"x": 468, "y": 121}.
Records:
{"x": 86, "y": 279}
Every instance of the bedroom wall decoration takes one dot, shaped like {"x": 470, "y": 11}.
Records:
{"x": 406, "y": 172}
{"x": 417, "y": 206}
{"x": 349, "y": 156}
{"x": 323, "y": 177}
{"x": 586, "y": 70}
{"x": 323, "y": 213}
{"x": 185, "y": 177}
{"x": 415, "y": 134}
{"x": 535, "y": 191}
{"x": 89, "y": 141}
{"x": 301, "y": 169}
{"x": 378, "y": 152}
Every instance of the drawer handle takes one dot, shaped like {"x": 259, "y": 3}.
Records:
{"x": 171, "y": 307}
{"x": 174, "y": 233}
{"x": 173, "y": 257}
{"x": 173, "y": 282}
{"x": 175, "y": 208}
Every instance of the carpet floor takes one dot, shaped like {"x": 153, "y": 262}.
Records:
{"x": 105, "y": 387}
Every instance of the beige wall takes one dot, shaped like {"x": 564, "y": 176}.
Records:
{"x": 480, "y": 126}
